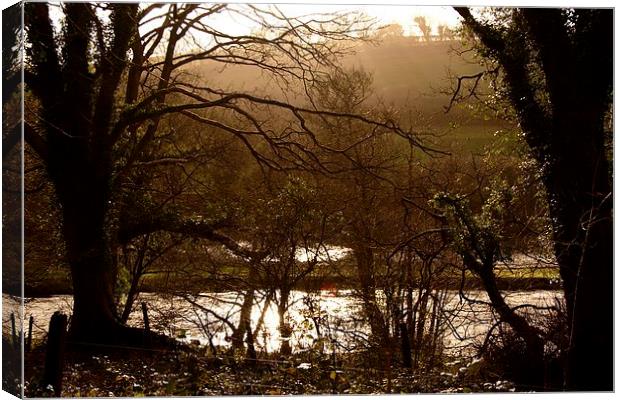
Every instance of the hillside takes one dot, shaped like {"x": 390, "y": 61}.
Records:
{"x": 407, "y": 70}
{"x": 407, "y": 75}
{"x": 403, "y": 70}
{"x": 418, "y": 77}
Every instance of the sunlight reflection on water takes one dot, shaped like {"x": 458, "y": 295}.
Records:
{"x": 338, "y": 312}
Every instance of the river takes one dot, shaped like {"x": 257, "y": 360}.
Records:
{"x": 340, "y": 315}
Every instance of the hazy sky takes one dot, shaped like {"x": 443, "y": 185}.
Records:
{"x": 387, "y": 14}
{"x": 397, "y": 11}
{"x": 384, "y": 14}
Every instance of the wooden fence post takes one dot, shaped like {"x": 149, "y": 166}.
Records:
{"x": 54, "y": 356}
{"x": 147, "y": 328}
{"x": 145, "y": 317}
{"x": 29, "y": 342}
{"x": 14, "y": 332}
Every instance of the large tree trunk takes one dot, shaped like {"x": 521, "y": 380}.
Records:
{"x": 93, "y": 272}
{"x": 579, "y": 190}
{"x": 566, "y": 135}
{"x": 591, "y": 349}
{"x": 82, "y": 187}
{"x": 75, "y": 122}
{"x": 94, "y": 316}
{"x": 80, "y": 167}
{"x": 573, "y": 157}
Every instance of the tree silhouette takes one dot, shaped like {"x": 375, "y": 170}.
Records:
{"x": 557, "y": 67}
{"x": 101, "y": 94}
{"x": 425, "y": 28}
{"x": 391, "y": 31}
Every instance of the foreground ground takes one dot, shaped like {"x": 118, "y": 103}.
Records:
{"x": 133, "y": 372}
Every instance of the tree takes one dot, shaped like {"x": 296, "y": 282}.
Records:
{"x": 557, "y": 71}
{"x": 391, "y": 31}
{"x": 425, "y": 28}
{"x": 395, "y": 259}
{"x": 444, "y": 32}
{"x": 293, "y": 230}
{"x": 12, "y": 160}
{"x": 94, "y": 112}
{"x": 479, "y": 244}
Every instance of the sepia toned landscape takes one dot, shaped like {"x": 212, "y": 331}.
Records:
{"x": 260, "y": 199}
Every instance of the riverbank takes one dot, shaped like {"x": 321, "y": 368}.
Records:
{"x": 63, "y": 287}
{"x": 137, "y": 373}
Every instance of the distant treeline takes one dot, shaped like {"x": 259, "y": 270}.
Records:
{"x": 60, "y": 287}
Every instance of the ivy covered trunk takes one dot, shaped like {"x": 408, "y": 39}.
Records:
{"x": 563, "y": 122}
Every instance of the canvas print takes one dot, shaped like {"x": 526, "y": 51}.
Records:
{"x": 295, "y": 199}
